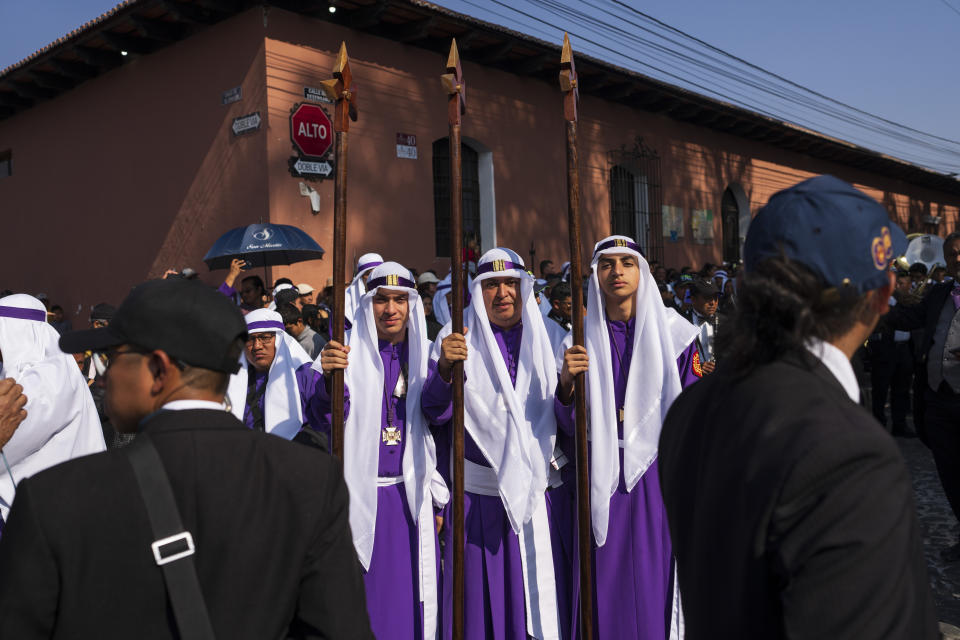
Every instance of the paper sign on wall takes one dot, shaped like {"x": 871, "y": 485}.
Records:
{"x": 672, "y": 222}
{"x": 701, "y": 223}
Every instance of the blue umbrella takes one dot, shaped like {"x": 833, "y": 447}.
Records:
{"x": 263, "y": 245}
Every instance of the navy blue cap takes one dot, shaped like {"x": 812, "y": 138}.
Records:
{"x": 840, "y": 233}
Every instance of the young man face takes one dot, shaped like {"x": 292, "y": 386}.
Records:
{"x": 563, "y": 307}
{"x": 390, "y": 311}
{"x": 260, "y": 350}
{"x": 705, "y": 306}
{"x": 903, "y": 283}
{"x": 619, "y": 275}
{"x": 501, "y": 298}
{"x": 251, "y": 294}
{"x": 296, "y": 328}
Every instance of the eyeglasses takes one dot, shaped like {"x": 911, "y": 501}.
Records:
{"x": 261, "y": 338}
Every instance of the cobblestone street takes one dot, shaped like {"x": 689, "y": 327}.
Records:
{"x": 939, "y": 528}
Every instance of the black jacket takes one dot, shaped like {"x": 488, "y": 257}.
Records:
{"x": 269, "y": 517}
{"x": 921, "y": 316}
{"x": 791, "y": 512}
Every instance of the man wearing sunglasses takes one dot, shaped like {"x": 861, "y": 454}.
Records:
{"x": 263, "y": 521}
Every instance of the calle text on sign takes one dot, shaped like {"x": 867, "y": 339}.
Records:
{"x": 316, "y": 95}
{"x": 232, "y": 95}
{"x": 311, "y": 130}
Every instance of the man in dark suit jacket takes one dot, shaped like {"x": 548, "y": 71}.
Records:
{"x": 938, "y": 314}
{"x": 274, "y": 555}
{"x": 790, "y": 509}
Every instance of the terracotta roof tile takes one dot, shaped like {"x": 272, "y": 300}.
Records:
{"x": 76, "y": 32}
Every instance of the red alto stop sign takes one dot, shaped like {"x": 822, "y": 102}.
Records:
{"x": 311, "y": 130}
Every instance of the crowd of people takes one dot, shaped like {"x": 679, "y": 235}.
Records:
{"x": 736, "y": 487}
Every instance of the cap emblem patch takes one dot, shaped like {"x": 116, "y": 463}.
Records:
{"x": 882, "y": 249}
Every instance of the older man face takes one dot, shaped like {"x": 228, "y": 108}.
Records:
{"x": 260, "y": 349}
{"x": 501, "y": 298}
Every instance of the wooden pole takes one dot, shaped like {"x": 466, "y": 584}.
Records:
{"x": 456, "y": 107}
{"x": 568, "y": 84}
{"x": 344, "y": 95}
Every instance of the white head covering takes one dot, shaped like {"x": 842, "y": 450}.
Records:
{"x": 442, "y": 311}
{"x": 513, "y": 426}
{"x": 361, "y": 443}
{"x": 62, "y": 421}
{"x": 282, "y": 414}
{"x": 277, "y": 289}
{"x": 441, "y": 308}
{"x": 356, "y": 289}
{"x": 660, "y": 336}
{"x": 720, "y": 273}
{"x": 545, "y": 306}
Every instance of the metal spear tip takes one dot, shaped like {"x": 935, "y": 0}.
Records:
{"x": 454, "y": 85}
{"x": 568, "y": 81}
{"x": 343, "y": 62}
{"x": 453, "y": 60}
{"x": 566, "y": 54}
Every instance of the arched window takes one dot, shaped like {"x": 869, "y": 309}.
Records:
{"x": 735, "y": 218}
{"x": 441, "y": 194}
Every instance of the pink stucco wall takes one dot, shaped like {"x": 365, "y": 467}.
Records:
{"x": 138, "y": 171}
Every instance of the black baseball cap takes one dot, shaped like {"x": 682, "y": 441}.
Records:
{"x": 186, "y": 318}
{"x": 102, "y": 311}
{"x": 839, "y": 232}
{"x": 705, "y": 288}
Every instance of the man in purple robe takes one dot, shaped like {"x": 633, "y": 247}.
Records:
{"x": 510, "y": 376}
{"x": 634, "y": 344}
{"x": 275, "y": 382}
{"x": 389, "y": 456}
{"x": 250, "y": 296}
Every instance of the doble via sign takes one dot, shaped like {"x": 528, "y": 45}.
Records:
{"x": 311, "y": 130}
{"x": 243, "y": 124}
{"x": 305, "y": 167}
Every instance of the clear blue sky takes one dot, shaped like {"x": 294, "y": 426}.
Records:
{"x": 897, "y": 59}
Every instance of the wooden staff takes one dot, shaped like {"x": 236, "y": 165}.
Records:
{"x": 456, "y": 106}
{"x": 344, "y": 95}
{"x": 568, "y": 84}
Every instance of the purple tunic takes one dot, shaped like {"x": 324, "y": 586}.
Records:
{"x": 493, "y": 573}
{"x": 307, "y": 383}
{"x": 633, "y": 570}
{"x": 392, "y": 581}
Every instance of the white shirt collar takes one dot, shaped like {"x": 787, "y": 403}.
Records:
{"x": 838, "y": 364}
{"x": 181, "y": 405}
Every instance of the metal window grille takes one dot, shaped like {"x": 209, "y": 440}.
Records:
{"x": 635, "y": 197}
{"x": 730, "y": 217}
{"x": 441, "y": 194}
